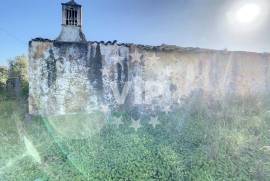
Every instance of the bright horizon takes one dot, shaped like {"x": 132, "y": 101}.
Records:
{"x": 235, "y": 25}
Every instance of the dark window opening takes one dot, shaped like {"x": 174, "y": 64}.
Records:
{"x": 71, "y": 17}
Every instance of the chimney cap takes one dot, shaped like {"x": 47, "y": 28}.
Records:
{"x": 71, "y": 3}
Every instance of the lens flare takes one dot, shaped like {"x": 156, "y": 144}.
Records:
{"x": 31, "y": 150}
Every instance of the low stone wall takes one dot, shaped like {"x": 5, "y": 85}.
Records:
{"x": 78, "y": 77}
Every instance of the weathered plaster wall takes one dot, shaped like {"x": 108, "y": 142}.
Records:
{"x": 75, "y": 77}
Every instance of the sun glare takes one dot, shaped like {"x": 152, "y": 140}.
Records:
{"x": 247, "y": 17}
{"x": 248, "y": 13}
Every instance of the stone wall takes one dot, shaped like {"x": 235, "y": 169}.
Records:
{"x": 79, "y": 77}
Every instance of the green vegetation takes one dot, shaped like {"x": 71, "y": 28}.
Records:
{"x": 218, "y": 141}
{"x": 19, "y": 68}
{"x": 3, "y": 77}
{"x": 14, "y": 77}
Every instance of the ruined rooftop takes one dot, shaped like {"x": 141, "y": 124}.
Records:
{"x": 163, "y": 47}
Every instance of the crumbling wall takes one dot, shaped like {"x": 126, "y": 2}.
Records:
{"x": 79, "y": 77}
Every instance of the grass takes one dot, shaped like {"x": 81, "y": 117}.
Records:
{"x": 219, "y": 141}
